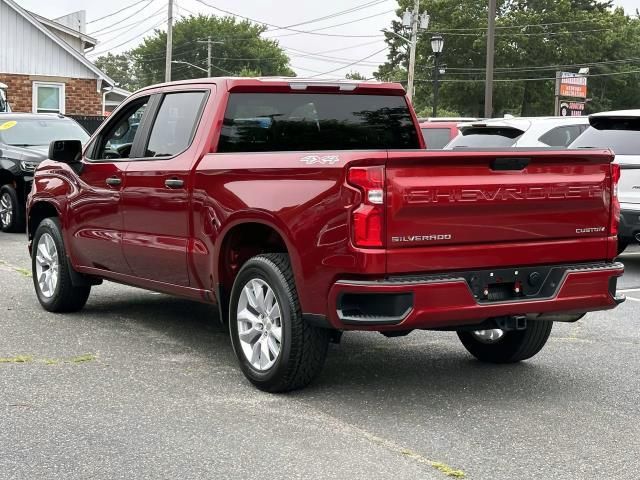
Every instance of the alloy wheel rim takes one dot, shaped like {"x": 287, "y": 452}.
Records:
{"x": 488, "y": 336}
{"x": 47, "y": 265}
{"x": 259, "y": 319}
{"x": 6, "y": 209}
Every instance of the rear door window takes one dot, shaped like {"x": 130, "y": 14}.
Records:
{"x": 562, "y": 136}
{"x": 485, "y": 137}
{"x": 267, "y": 122}
{"x": 175, "y": 124}
{"x": 436, "y": 138}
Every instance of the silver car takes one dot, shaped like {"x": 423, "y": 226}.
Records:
{"x": 620, "y": 131}
{"x": 556, "y": 132}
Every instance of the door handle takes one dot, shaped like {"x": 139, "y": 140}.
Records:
{"x": 113, "y": 181}
{"x": 174, "y": 183}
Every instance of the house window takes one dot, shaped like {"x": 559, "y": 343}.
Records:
{"x": 48, "y": 97}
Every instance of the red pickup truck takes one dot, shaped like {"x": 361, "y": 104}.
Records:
{"x": 306, "y": 208}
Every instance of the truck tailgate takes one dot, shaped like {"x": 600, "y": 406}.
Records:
{"x": 494, "y": 203}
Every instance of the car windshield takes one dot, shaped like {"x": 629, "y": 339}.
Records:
{"x": 41, "y": 131}
{"x": 620, "y": 135}
{"x": 436, "y": 138}
{"x": 486, "y": 137}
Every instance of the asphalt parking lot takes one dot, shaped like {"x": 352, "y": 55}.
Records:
{"x": 142, "y": 385}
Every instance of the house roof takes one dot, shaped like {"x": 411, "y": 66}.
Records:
{"x": 65, "y": 46}
{"x": 88, "y": 40}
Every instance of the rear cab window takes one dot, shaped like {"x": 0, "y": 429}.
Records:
{"x": 486, "y": 137}
{"x": 267, "y": 122}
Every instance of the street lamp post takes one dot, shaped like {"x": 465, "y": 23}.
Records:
{"x": 437, "y": 43}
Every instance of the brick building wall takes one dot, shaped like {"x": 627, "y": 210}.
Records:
{"x": 81, "y": 95}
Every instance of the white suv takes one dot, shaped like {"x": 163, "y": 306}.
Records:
{"x": 519, "y": 132}
{"x": 620, "y": 131}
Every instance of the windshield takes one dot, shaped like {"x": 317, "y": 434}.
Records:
{"x": 436, "y": 138}
{"x": 33, "y": 132}
{"x": 483, "y": 137}
{"x": 620, "y": 135}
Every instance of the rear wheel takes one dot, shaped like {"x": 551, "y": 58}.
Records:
{"x": 51, "y": 274}
{"x": 12, "y": 210}
{"x": 277, "y": 350}
{"x": 499, "y": 346}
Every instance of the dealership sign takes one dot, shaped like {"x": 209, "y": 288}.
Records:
{"x": 573, "y": 85}
{"x": 571, "y": 93}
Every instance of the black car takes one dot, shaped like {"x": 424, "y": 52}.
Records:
{"x": 24, "y": 143}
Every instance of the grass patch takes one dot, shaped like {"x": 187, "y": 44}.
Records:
{"x": 447, "y": 470}
{"x": 87, "y": 357}
{"x": 441, "y": 467}
{"x": 23, "y": 271}
{"x": 17, "y": 359}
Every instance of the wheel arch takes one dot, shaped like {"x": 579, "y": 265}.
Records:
{"x": 38, "y": 211}
{"x": 242, "y": 238}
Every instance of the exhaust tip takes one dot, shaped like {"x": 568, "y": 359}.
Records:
{"x": 637, "y": 237}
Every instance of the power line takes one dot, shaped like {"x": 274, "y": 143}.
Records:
{"x": 534, "y": 79}
{"x": 116, "y": 12}
{"x": 335, "y": 25}
{"x": 336, "y": 14}
{"x": 162, "y": 9}
{"x": 502, "y": 27}
{"x": 283, "y": 28}
{"x": 546, "y": 67}
{"x": 129, "y": 40}
{"x": 351, "y": 64}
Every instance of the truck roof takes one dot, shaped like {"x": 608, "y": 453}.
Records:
{"x": 293, "y": 84}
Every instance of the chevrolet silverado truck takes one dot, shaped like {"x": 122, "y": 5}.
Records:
{"x": 304, "y": 209}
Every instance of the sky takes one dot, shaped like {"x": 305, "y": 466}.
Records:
{"x": 362, "y": 43}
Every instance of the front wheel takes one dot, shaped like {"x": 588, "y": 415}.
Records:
{"x": 51, "y": 274}
{"x": 498, "y": 346}
{"x": 12, "y": 210}
{"x": 277, "y": 350}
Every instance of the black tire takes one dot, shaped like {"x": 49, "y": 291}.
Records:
{"x": 513, "y": 346}
{"x": 622, "y": 245}
{"x": 17, "y": 222}
{"x": 303, "y": 348}
{"x": 66, "y": 297}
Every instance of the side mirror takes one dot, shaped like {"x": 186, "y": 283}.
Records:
{"x": 65, "y": 151}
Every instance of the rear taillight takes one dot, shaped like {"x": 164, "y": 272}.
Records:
{"x": 615, "y": 203}
{"x": 368, "y": 218}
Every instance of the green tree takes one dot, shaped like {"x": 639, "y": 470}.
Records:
{"x": 355, "y": 76}
{"x": 241, "y": 50}
{"x": 119, "y": 68}
{"x": 534, "y": 39}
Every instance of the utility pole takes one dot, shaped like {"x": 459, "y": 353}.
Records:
{"x": 167, "y": 68}
{"x": 209, "y": 56}
{"x": 488, "y": 87}
{"x": 414, "y": 42}
{"x": 209, "y": 43}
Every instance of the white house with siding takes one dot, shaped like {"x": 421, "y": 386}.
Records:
{"x": 43, "y": 64}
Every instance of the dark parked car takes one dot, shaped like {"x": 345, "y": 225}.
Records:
{"x": 24, "y": 143}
